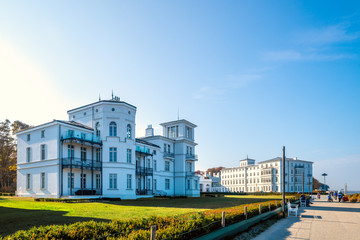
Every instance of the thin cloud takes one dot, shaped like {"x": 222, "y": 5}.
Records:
{"x": 329, "y": 35}
{"x": 231, "y": 81}
{"x": 292, "y": 55}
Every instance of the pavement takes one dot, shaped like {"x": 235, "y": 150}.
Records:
{"x": 323, "y": 220}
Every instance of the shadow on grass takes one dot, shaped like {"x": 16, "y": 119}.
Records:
{"x": 14, "y": 219}
{"x": 196, "y": 203}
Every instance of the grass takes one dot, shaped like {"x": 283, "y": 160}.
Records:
{"x": 23, "y": 213}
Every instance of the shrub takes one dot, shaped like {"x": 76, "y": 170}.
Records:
{"x": 184, "y": 226}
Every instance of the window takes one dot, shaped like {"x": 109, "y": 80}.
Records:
{"x": 43, "y": 151}
{"x": 42, "y": 181}
{"x": 83, "y": 154}
{"x": 148, "y": 184}
{"x": 167, "y": 166}
{"x": 167, "y": 184}
{"x": 97, "y": 154}
{"x": 83, "y": 180}
{"x": 28, "y": 181}
{"x": 112, "y": 129}
{"x": 188, "y": 184}
{"x": 168, "y": 148}
{"x": 148, "y": 163}
{"x": 154, "y": 152}
{"x": 112, "y": 180}
{"x": 98, "y": 181}
{"x": 71, "y": 180}
{"x": 128, "y": 182}
{"x": 155, "y": 184}
{"x": 113, "y": 109}
{"x": 28, "y": 137}
{"x": 155, "y": 165}
{"x": 42, "y": 133}
{"x": 128, "y": 131}
{"x": 84, "y": 113}
{"x": 70, "y": 151}
{"x": 28, "y": 154}
{"x": 128, "y": 155}
{"x": 113, "y": 154}
{"x": 97, "y": 128}
{"x": 164, "y": 147}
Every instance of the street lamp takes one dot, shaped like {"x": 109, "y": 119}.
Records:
{"x": 324, "y": 175}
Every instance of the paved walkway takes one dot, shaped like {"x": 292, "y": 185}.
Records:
{"x": 323, "y": 220}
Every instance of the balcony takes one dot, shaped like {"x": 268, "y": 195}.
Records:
{"x": 191, "y": 174}
{"x": 81, "y": 163}
{"x": 143, "y": 150}
{"x": 192, "y": 157}
{"x": 169, "y": 155}
{"x": 81, "y": 136}
{"x": 144, "y": 171}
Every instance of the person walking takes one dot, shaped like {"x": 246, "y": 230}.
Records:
{"x": 318, "y": 195}
{"x": 335, "y": 195}
{"x": 340, "y": 196}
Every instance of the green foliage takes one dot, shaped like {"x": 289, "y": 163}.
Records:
{"x": 184, "y": 226}
{"x": 62, "y": 200}
{"x": 6, "y": 194}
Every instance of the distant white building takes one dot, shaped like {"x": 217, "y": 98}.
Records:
{"x": 95, "y": 153}
{"x": 205, "y": 182}
{"x": 266, "y": 176}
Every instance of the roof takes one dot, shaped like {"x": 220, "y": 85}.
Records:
{"x": 76, "y": 124}
{"x": 101, "y": 101}
{"x": 287, "y": 159}
{"x": 178, "y": 121}
{"x": 138, "y": 140}
{"x": 72, "y": 123}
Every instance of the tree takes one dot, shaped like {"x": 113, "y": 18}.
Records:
{"x": 316, "y": 184}
{"x": 211, "y": 171}
{"x": 8, "y": 154}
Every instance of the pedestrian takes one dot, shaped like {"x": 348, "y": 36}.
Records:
{"x": 340, "y": 196}
{"x": 336, "y": 194}
{"x": 318, "y": 195}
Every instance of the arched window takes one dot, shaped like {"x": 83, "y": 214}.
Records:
{"x": 97, "y": 129}
{"x": 128, "y": 131}
{"x": 112, "y": 129}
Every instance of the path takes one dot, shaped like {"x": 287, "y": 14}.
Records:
{"x": 323, "y": 220}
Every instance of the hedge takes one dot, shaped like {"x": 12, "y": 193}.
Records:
{"x": 178, "y": 227}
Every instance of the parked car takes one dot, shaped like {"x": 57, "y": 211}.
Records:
{"x": 160, "y": 193}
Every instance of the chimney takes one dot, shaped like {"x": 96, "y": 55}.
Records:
{"x": 149, "y": 131}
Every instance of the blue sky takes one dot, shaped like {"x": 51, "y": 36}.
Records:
{"x": 253, "y": 75}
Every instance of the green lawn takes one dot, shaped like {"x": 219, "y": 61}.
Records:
{"x": 23, "y": 213}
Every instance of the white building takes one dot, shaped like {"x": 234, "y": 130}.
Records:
{"x": 266, "y": 176}
{"x": 205, "y": 182}
{"x": 96, "y": 153}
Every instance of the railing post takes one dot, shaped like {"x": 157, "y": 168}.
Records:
{"x": 153, "y": 232}
{"x": 259, "y": 208}
{"x": 223, "y": 219}
{"x": 246, "y": 215}
{"x": 269, "y": 206}
{"x": 276, "y": 203}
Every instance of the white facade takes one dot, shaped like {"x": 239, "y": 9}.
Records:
{"x": 96, "y": 153}
{"x": 266, "y": 176}
{"x": 205, "y": 182}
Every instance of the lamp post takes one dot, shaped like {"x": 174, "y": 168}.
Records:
{"x": 324, "y": 175}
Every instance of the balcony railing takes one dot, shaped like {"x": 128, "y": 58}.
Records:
{"x": 144, "y": 171}
{"x": 169, "y": 155}
{"x": 191, "y": 174}
{"x": 81, "y": 163}
{"x": 74, "y": 134}
{"x": 191, "y": 157}
{"x": 142, "y": 150}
